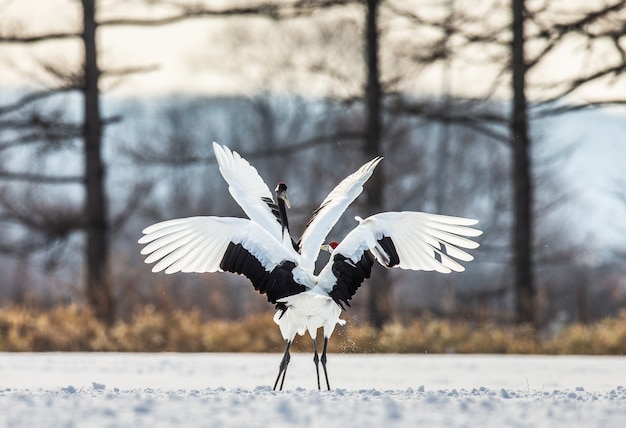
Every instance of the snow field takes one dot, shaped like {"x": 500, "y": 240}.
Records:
{"x": 233, "y": 390}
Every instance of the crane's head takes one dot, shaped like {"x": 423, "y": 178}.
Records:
{"x": 281, "y": 193}
{"x": 330, "y": 247}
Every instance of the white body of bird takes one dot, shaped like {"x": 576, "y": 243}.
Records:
{"x": 308, "y": 311}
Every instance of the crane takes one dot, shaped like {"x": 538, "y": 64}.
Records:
{"x": 261, "y": 248}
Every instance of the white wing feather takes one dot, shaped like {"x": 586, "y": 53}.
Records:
{"x": 198, "y": 244}
{"x": 330, "y": 210}
{"x": 423, "y": 242}
{"x": 247, "y": 188}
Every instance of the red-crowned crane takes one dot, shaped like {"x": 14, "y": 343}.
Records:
{"x": 261, "y": 248}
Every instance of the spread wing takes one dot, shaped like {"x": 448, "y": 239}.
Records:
{"x": 248, "y": 189}
{"x": 330, "y": 210}
{"x": 408, "y": 240}
{"x": 210, "y": 244}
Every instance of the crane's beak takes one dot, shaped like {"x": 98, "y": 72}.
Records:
{"x": 283, "y": 195}
{"x": 330, "y": 247}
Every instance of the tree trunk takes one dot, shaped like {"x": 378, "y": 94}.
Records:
{"x": 380, "y": 295}
{"x": 522, "y": 177}
{"x": 98, "y": 280}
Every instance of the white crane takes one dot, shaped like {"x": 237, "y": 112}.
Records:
{"x": 262, "y": 249}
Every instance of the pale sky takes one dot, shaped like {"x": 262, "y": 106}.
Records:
{"x": 593, "y": 171}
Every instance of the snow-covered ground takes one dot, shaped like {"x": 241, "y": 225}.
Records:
{"x": 225, "y": 390}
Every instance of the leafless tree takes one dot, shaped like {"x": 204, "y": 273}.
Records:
{"x": 522, "y": 169}
{"x": 373, "y": 113}
{"x": 380, "y": 294}
{"x": 86, "y": 79}
{"x": 520, "y": 52}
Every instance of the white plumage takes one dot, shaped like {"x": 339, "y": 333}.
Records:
{"x": 261, "y": 248}
{"x": 330, "y": 210}
{"x": 197, "y": 244}
{"x": 247, "y": 188}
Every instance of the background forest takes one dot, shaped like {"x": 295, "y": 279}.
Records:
{"x": 503, "y": 111}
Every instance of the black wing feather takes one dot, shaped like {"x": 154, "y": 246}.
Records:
{"x": 276, "y": 284}
{"x": 273, "y": 207}
{"x": 387, "y": 244}
{"x": 349, "y": 276}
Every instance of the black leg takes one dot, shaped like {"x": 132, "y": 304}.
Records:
{"x": 283, "y": 366}
{"x": 316, "y": 360}
{"x": 324, "y": 362}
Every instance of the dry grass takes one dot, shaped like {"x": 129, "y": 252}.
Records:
{"x": 73, "y": 328}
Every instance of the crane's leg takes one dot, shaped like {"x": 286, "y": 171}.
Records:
{"x": 324, "y": 363}
{"x": 283, "y": 366}
{"x": 316, "y": 360}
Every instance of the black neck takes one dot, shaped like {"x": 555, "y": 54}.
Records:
{"x": 282, "y": 211}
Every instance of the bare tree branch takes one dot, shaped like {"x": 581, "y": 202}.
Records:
{"x": 579, "y": 82}
{"x": 31, "y": 98}
{"x": 546, "y": 109}
{"x": 490, "y": 124}
{"x": 269, "y": 11}
{"x": 133, "y": 202}
{"x": 40, "y": 178}
{"x": 26, "y": 39}
{"x": 55, "y": 219}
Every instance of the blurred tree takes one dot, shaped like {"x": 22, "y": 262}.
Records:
{"x": 522, "y": 178}
{"x": 460, "y": 37}
{"x": 539, "y": 26}
{"x": 99, "y": 291}
{"x": 373, "y": 106}
{"x": 380, "y": 291}
{"x": 94, "y": 217}
{"x": 522, "y": 53}
{"x": 86, "y": 79}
